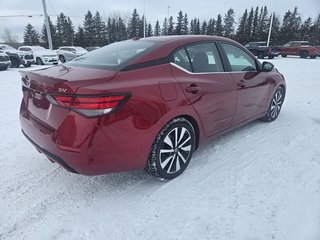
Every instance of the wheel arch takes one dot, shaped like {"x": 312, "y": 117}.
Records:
{"x": 193, "y": 122}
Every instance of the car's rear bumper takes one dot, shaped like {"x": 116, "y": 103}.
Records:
{"x": 89, "y": 146}
{"x": 51, "y": 156}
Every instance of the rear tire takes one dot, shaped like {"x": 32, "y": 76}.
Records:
{"x": 27, "y": 65}
{"x": 303, "y": 54}
{"x": 172, "y": 149}
{"x": 14, "y": 63}
{"x": 275, "y": 105}
{"x": 283, "y": 55}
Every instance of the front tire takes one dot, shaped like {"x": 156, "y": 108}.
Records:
{"x": 62, "y": 59}
{"x": 275, "y": 105}
{"x": 172, "y": 149}
{"x": 261, "y": 55}
{"x": 39, "y": 61}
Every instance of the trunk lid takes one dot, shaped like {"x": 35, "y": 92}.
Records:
{"x": 59, "y": 80}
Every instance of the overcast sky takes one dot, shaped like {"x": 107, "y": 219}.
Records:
{"x": 154, "y": 9}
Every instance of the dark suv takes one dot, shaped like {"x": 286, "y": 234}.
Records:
{"x": 261, "y": 50}
{"x": 17, "y": 58}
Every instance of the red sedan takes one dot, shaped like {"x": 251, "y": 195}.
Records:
{"x": 146, "y": 103}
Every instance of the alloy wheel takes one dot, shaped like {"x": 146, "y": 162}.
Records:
{"x": 175, "y": 150}
{"x": 276, "y": 104}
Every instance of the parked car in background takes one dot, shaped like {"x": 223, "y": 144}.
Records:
{"x": 299, "y": 48}
{"x": 17, "y": 58}
{"x": 261, "y": 50}
{"x": 89, "y": 49}
{"x": 146, "y": 103}
{"x": 4, "y": 61}
{"x": 41, "y": 55}
{"x": 67, "y": 53}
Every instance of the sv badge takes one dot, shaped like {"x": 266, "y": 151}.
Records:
{"x": 62, "y": 90}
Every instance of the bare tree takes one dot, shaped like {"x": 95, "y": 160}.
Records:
{"x": 8, "y": 37}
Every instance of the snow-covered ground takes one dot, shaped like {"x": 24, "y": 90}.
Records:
{"x": 259, "y": 182}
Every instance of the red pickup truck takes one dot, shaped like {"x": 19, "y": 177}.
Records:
{"x": 299, "y": 48}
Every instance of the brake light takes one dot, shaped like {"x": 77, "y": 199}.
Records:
{"x": 90, "y": 106}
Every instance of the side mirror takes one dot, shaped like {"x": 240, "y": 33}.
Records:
{"x": 267, "y": 67}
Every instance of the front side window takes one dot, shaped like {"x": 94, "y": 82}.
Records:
{"x": 239, "y": 60}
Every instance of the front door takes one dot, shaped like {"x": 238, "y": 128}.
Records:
{"x": 252, "y": 85}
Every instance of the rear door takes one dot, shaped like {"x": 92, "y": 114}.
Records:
{"x": 211, "y": 91}
{"x": 252, "y": 85}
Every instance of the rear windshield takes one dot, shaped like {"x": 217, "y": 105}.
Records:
{"x": 115, "y": 56}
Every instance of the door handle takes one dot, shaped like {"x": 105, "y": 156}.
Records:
{"x": 193, "y": 89}
{"x": 241, "y": 84}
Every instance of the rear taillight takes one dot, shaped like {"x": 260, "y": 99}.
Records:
{"x": 90, "y": 105}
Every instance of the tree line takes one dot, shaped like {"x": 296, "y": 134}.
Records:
{"x": 253, "y": 25}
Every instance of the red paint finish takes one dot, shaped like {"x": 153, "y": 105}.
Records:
{"x": 153, "y": 92}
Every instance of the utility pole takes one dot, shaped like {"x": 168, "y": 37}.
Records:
{"x": 144, "y": 18}
{"x": 47, "y": 24}
{"x": 270, "y": 28}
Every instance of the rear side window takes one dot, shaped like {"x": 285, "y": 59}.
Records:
{"x": 199, "y": 58}
{"x": 114, "y": 56}
{"x": 181, "y": 58}
{"x": 239, "y": 60}
{"x": 204, "y": 58}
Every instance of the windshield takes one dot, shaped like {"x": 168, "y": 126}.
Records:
{"x": 80, "y": 49}
{"x": 114, "y": 56}
{"x": 7, "y": 47}
{"x": 38, "y": 48}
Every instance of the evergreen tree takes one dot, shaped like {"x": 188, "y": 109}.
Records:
{"x": 100, "y": 30}
{"x": 149, "y": 30}
{"x": 204, "y": 28}
{"x": 141, "y": 28}
{"x": 31, "y": 36}
{"x": 211, "y": 29}
{"x": 229, "y": 23}
{"x": 111, "y": 30}
{"x": 64, "y": 30}
{"x": 179, "y": 24}
{"x": 157, "y": 29}
{"x": 89, "y": 30}
{"x": 170, "y": 26}
{"x": 315, "y": 32}
{"x": 195, "y": 26}
{"x": 263, "y": 26}
{"x": 164, "y": 31}
{"x": 44, "y": 35}
{"x": 219, "y": 27}
{"x": 249, "y": 26}
{"x": 241, "y": 35}
{"x": 185, "y": 28}
{"x": 79, "y": 37}
{"x": 121, "y": 30}
{"x": 290, "y": 26}
{"x": 133, "y": 26}
{"x": 255, "y": 23}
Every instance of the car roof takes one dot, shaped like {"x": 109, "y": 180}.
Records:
{"x": 167, "y": 44}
